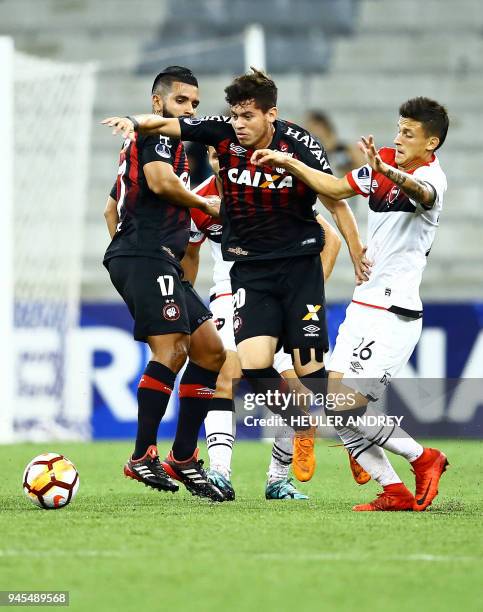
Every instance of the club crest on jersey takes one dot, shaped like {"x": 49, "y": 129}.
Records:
{"x": 393, "y": 194}
{"x": 263, "y": 180}
{"x": 171, "y": 312}
{"x": 237, "y": 323}
{"x": 312, "y": 312}
{"x": 163, "y": 149}
{"x": 219, "y": 323}
{"x": 237, "y": 149}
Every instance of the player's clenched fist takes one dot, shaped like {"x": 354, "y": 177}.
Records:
{"x": 268, "y": 157}
{"x": 121, "y": 125}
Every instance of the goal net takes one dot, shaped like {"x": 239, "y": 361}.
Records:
{"x": 52, "y": 114}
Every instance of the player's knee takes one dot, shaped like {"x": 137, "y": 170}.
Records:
{"x": 211, "y": 358}
{"x": 218, "y": 357}
{"x": 173, "y": 354}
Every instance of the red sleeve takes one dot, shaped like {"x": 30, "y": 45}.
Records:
{"x": 206, "y": 188}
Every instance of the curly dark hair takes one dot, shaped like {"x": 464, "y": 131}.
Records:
{"x": 256, "y": 86}
{"x": 430, "y": 113}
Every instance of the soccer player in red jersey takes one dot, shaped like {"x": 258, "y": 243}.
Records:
{"x": 220, "y": 423}
{"x": 148, "y": 219}
{"x": 271, "y": 234}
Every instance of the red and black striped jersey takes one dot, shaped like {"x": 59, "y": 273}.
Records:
{"x": 149, "y": 225}
{"x": 266, "y": 213}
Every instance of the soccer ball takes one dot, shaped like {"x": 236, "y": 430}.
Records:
{"x": 50, "y": 481}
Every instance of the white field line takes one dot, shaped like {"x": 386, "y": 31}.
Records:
{"x": 13, "y": 552}
{"x": 315, "y": 556}
{"x": 321, "y": 556}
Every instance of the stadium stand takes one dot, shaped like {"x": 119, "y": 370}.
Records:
{"x": 367, "y": 58}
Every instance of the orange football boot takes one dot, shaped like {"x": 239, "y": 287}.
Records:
{"x": 394, "y": 498}
{"x": 428, "y": 469}
{"x": 358, "y": 472}
{"x": 303, "y": 463}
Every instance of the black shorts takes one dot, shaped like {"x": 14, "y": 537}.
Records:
{"x": 158, "y": 300}
{"x": 283, "y": 298}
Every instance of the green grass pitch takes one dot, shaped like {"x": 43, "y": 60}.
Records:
{"x": 120, "y": 546}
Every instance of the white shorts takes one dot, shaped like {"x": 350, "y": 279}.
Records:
{"x": 372, "y": 346}
{"x": 221, "y": 305}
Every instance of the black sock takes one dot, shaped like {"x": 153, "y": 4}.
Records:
{"x": 265, "y": 380}
{"x": 154, "y": 389}
{"x": 196, "y": 390}
{"x": 316, "y": 381}
{"x": 221, "y": 403}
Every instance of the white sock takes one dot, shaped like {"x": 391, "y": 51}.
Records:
{"x": 369, "y": 456}
{"x": 220, "y": 426}
{"x": 393, "y": 438}
{"x": 282, "y": 454}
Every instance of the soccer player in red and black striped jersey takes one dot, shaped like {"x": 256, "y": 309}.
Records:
{"x": 270, "y": 232}
{"x": 149, "y": 222}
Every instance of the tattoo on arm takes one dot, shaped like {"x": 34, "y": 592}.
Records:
{"x": 414, "y": 188}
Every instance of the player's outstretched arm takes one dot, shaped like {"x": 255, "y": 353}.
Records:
{"x": 322, "y": 183}
{"x": 331, "y": 248}
{"x": 163, "y": 181}
{"x": 346, "y": 222}
{"x": 414, "y": 188}
{"x": 144, "y": 124}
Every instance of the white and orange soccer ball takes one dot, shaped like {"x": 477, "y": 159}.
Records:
{"x": 50, "y": 481}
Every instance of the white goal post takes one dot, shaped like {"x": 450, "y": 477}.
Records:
{"x": 46, "y": 110}
{"x": 7, "y": 383}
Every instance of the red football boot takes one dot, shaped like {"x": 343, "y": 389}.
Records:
{"x": 428, "y": 469}
{"x": 395, "y": 498}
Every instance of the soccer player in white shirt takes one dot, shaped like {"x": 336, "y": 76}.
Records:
{"x": 405, "y": 188}
{"x": 220, "y": 422}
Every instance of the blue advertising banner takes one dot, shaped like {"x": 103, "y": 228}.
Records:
{"x": 109, "y": 363}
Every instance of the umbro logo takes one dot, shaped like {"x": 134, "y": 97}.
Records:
{"x": 215, "y": 228}
{"x": 311, "y": 330}
{"x": 237, "y": 149}
{"x": 355, "y": 367}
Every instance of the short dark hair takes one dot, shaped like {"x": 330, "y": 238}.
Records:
{"x": 432, "y": 115}
{"x": 256, "y": 86}
{"x": 173, "y": 74}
